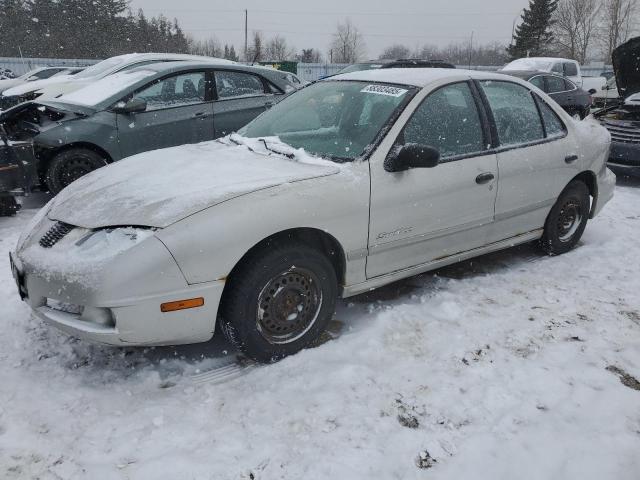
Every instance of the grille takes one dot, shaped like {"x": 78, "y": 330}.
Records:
{"x": 55, "y": 234}
{"x": 623, "y": 133}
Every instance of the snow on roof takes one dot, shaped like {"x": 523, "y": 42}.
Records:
{"x": 102, "y": 90}
{"x": 418, "y": 77}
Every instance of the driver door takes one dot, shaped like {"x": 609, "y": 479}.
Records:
{"x": 424, "y": 214}
{"x": 179, "y": 110}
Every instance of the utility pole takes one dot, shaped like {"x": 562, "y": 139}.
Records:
{"x": 470, "y": 49}
{"x": 246, "y": 35}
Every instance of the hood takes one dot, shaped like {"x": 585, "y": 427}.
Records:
{"x": 36, "y": 85}
{"x": 626, "y": 65}
{"x": 10, "y": 113}
{"x": 10, "y": 83}
{"x": 158, "y": 188}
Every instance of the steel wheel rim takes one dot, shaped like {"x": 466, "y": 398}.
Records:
{"x": 288, "y": 306}
{"x": 569, "y": 220}
{"x": 74, "y": 169}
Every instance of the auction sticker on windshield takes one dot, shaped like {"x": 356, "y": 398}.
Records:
{"x": 384, "y": 90}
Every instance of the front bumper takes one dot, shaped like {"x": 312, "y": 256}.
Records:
{"x": 123, "y": 305}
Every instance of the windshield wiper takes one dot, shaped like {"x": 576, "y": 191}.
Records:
{"x": 290, "y": 156}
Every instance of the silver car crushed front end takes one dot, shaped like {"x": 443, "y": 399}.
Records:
{"x": 111, "y": 286}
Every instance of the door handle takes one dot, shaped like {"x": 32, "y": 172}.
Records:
{"x": 570, "y": 158}
{"x": 484, "y": 178}
{"x": 200, "y": 115}
{"x": 268, "y": 105}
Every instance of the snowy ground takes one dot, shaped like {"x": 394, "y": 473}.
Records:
{"x": 497, "y": 368}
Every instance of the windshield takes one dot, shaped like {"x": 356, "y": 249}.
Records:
{"x": 338, "y": 120}
{"x": 101, "y": 67}
{"x": 358, "y": 67}
{"x": 41, "y": 73}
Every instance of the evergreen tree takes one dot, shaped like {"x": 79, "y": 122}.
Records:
{"x": 533, "y": 36}
{"x": 232, "y": 54}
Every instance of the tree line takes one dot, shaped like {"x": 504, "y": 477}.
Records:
{"x": 83, "y": 29}
{"x": 583, "y": 30}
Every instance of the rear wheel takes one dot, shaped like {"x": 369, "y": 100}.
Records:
{"x": 68, "y": 166}
{"x": 567, "y": 220}
{"x": 278, "y": 301}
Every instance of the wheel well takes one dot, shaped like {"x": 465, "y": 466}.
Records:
{"x": 318, "y": 239}
{"x": 589, "y": 179}
{"x": 46, "y": 155}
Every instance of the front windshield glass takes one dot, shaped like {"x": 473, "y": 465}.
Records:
{"x": 358, "y": 67}
{"x": 338, "y": 120}
{"x": 101, "y": 67}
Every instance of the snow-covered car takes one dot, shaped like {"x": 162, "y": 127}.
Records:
{"x": 623, "y": 120}
{"x": 161, "y": 105}
{"x": 51, "y": 88}
{"x": 6, "y": 74}
{"x": 346, "y": 185}
{"x": 29, "y": 77}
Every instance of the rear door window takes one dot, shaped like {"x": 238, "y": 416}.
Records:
{"x": 555, "y": 84}
{"x": 238, "y": 84}
{"x": 515, "y": 113}
{"x": 447, "y": 120}
{"x": 552, "y": 123}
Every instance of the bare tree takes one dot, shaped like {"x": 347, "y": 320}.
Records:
{"x": 278, "y": 50}
{"x": 618, "y": 20}
{"x": 309, "y": 55}
{"x": 347, "y": 45}
{"x": 576, "y": 23}
{"x": 209, "y": 47}
{"x": 256, "y": 52}
{"x": 395, "y": 52}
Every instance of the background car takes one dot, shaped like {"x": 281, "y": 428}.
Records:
{"x": 55, "y": 87}
{"x": 6, "y": 74}
{"x": 345, "y": 186}
{"x": 31, "y": 76}
{"x": 573, "y": 99}
{"x": 623, "y": 120}
{"x": 147, "y": 108}
{"x": 608, "y": 96}
{"x": 401, "y": 63}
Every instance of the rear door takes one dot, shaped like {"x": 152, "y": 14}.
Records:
{"x": 240, "y": 97}
{"x": 536, "y": 159}
{"x": 179, "y": 111}
{"x": 420, "y": 215}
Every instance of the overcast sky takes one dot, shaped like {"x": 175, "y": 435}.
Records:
{"x": 311, "y": 24}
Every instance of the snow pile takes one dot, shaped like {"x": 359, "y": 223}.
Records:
{"x": 510, "y": 366}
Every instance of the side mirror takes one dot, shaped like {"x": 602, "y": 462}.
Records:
{"x": 410, "y": 156}
{"x": 592, "y": 91}
{"x": 135, "y": 105}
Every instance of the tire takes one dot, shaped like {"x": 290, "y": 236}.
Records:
{"x": 278, "y": 301}
{"x": 567, "y": 220}
{"x": 69, "y": 165}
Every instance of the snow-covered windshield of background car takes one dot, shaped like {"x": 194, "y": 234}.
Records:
{"x": 338, "y": 120}
{"x": 529, "y": 64}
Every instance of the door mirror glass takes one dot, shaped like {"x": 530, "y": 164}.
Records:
{"x": 411, "y": 155}
{"x": 135, "y": 105}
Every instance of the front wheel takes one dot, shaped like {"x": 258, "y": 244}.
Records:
{"x": 567, "y": 220}
{"x": 68, "y": 166}
{"x": 278, "y": 301}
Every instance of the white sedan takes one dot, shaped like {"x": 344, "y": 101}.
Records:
{"x": 347, "y": 185}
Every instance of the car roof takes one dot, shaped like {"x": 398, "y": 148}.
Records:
{"x": 417, "y": 77}
{"x": 527, "y": 74}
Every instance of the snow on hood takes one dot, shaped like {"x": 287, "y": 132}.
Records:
{"x": 626, "y": 65}
{"x": 36, "y": 85}
{"x": 160, "y": 187}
